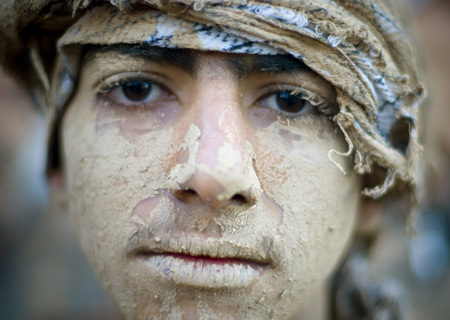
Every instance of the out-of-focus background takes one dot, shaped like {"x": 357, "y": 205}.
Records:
{"x": 422, "y": 261}
{"x": 43, "y": 274}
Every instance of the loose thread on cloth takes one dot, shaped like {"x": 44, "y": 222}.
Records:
{"x": 348, "y": 153}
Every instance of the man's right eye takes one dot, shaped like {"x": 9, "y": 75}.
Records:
{"x": 136, "y": 92}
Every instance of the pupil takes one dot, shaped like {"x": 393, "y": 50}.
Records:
{"x": 136, "y": 90}
{"x": 289, "y": 102}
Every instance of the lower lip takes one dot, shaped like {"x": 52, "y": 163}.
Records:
{"x": 204, "y": 271}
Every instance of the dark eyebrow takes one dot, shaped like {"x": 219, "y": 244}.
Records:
{"x": 244, "y": 67}
{"x": 241, "y": 65}
{"x": 184, "y": 59}
{"x": 279, "y": 63}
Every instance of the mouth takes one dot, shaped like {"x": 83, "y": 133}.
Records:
{"x": 203, "y": 263}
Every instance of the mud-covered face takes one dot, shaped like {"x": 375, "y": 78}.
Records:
{"x": 202, "y": 185}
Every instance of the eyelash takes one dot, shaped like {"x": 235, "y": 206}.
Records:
{"x": 105, "y": 91}
{"x": 312, "y": 101}
{"x": 315, "y": 102}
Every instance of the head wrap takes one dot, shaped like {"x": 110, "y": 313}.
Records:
{"x": 359, "y": 46}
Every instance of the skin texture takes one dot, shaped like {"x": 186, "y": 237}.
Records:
{"x": 205, "y": 202}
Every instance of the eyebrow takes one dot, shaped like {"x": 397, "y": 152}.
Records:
{"x": 241, "y": 65}
{"x": 244, "y": 67}
{"x": 183, "y": 59}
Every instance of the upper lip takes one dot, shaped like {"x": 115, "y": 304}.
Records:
{"x": 198, "y": 247}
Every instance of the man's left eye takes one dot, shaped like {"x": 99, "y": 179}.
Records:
{"x": 287, "y": 103}
{"x": 134, "y": 92}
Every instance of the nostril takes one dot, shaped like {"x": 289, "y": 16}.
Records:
{"x": 191, "y": 196}
{"x": 238, "y": 199}
{"x": 186, "y": 195}
{"x": 190, "y": 192}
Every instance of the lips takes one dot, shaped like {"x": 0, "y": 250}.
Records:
{"x": 203, "y": 262}
{"x": 204, "y": 259}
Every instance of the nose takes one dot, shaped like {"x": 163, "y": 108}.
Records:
{"x": 219, "y": 170}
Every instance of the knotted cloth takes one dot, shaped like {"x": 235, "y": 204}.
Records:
{"x": 359, "y": 46}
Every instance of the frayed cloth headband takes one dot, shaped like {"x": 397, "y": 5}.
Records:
{"x": 358, "y": 46}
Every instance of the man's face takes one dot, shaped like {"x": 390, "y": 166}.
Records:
{"x": 202, "y": 184}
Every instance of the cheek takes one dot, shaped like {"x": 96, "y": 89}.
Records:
{"x": 133, "y": 122}
{"x": 318, "y": 201}
{"x": 108, "y": 174}
{"x": 295, "y": 167}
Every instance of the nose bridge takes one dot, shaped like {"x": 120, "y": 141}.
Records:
{"x": 223, "y": 170}
{"x": 223, "y": 131}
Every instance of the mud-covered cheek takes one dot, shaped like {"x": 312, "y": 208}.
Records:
{"x": 110, "y": 167}
{"x": 297, "y": 174}
{"x": 286, "y": 160}
{"x": 134, "y": 122}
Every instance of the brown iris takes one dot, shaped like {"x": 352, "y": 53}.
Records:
{"x": 137, "y": 90}
{"x": 291, "y": 103}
